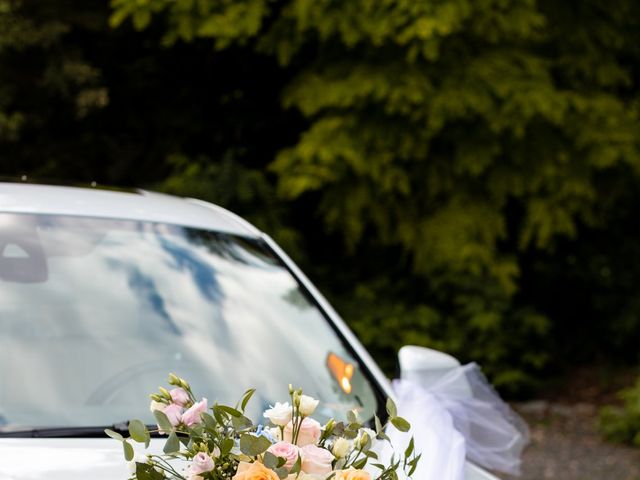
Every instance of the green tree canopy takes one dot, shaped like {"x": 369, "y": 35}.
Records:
{"x": 474, "y": 162}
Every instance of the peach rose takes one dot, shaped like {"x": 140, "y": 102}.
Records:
{"x": 254, "y": 471}
{"x": 352, "y": 474}
{"x": 310, "y": 431}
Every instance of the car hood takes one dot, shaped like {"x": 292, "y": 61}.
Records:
{"x": 64, "y": 459}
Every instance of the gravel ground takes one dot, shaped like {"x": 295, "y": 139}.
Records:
{"x": 565, "y": 445}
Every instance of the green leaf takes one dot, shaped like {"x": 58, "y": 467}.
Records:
{"x": 144, "y": 471}
{"x": 359, "y": 465}
{"x": 253, "y": 446}
{"x": 401, "y": 424}
{"x": 297, "y": 466}
{"x": 391, "y": 408}
{"x": 414, "y": 465}
{"x": 241, "y": 423}
{"x": 282, "y": 472}
{"x": 246, "y": 397}
{"x": 231, "y": 411}
{"x": 139, "y": 432}
{"x": 173, "y": 444}
{"x": 270, "y": 460}
{"x": 114, "y": 435}
{"x": 351, "y": 417}
{"x": 410, "y": 447}
{"x": 128, "y": 451}
{"x": 378, "y": 424}
{"x": 163, "y": 421}
{"x": 208, "y": 421}
{"x": 226, "y": 446}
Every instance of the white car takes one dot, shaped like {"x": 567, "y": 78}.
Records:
{"x": 103, "y": 293}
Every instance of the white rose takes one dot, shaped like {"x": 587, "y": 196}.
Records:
{"x": 153, "y": 406}
{"x": 279, "y": 414}
{"x": 341, "y": 447}
{"x": 308, "y": 405}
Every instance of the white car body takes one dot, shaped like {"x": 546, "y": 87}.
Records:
{"x": 76, "y": 458}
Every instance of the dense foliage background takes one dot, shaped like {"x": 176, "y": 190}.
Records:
{"x": 461, "y": 174}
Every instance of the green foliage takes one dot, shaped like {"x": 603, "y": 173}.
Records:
{"x": 622, "y": 424}
{"x": 473, "y": 163}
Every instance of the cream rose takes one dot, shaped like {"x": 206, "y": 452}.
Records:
{"x": 316, "y": 460}
{"x": 341, "y": 447}
{"x": 310, "y": 431}
{"x": 279, "y": 414}
{"x": 307, "y": 405}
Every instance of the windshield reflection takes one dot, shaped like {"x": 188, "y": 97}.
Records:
{"x": 94, "y": 313}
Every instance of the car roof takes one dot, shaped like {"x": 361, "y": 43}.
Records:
{"x": 140, "y": 205}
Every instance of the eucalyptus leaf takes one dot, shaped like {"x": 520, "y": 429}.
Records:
{"x": 163, "y": 421}
{"x": 208, "y": 420}
{"x": 270, "y": 460}
{"x": 351, "y": 417}
{"x": 392, "y": 410}
{"x": 226, "y": 446}
{"x": 128, "y": 451}
{"x": 297, "y": 466}
{"x": 378, "y": 424}
{"x": 252, "y": 445}
{"x": 241, "y": 423}
{"x": 173, "y": 444}
{"x": 138, "y": 431}
{"x": 145, "y": 471}
{"x": 114, "y": 435}
{"x": 401, "y": 424}
{"x": 282, "y": 472}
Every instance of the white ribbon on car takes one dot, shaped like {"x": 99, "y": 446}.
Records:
{"x": 454, "y": 416}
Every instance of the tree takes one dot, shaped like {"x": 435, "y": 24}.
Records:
{"x": 462, "y": 134}
{"x": 473, "y": 163}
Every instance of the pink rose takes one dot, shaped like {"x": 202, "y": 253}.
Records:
{"x": 201, "y": 463}
{"x": 179, "y": 396}
{"x": 173, "y": 413}
{"x": 192, "y": 416}
{"x": 316, "y": 460}
{"x": 287, "y": 451}
{"x": 310, "y": 431}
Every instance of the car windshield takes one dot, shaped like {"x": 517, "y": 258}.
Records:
{"x": 94, "y": 314}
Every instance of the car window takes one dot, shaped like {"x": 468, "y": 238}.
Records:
{"x": 94, "y": 313}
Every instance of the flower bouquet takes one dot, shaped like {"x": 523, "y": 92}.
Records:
{"x": 221, "y": 443}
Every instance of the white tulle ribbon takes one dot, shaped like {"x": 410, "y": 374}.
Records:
{"x": 456, "y": 416}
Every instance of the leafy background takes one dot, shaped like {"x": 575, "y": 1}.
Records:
{"x": 459, "y": 174}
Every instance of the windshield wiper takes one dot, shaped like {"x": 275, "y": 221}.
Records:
{"x": 63, "y": 432}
